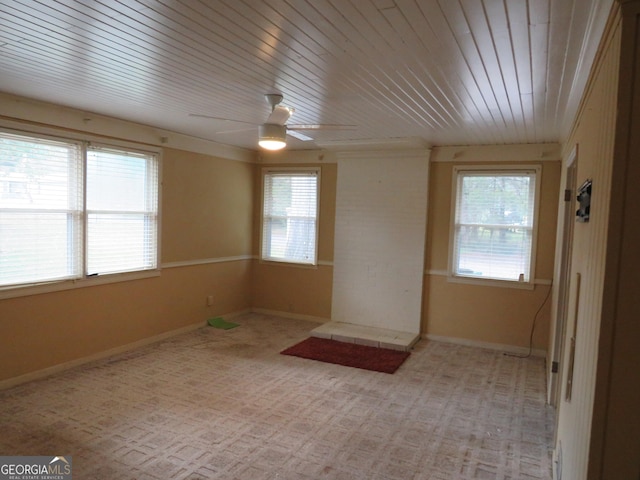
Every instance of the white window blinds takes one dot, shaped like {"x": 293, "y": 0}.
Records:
{"x": 40, "y": 209}
{"x": 290, "y": 211}
{"x": 494, "y": 224}
{"x": 122, "y": 211}
{"x": 70, "y": 209}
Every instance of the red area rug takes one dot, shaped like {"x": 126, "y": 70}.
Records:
{"x": 348, "y": 354}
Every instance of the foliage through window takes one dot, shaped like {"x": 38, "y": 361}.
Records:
{"x": 290, "y": 213}
{"x": 494, "y": 223}
{"x": 69, "y": 209}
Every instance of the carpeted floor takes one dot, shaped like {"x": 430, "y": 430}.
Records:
{"x": 224, "y": 404}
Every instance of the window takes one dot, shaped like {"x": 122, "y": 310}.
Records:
{"x": 290, "y": 215}
{"x": 494, "y": 223}
{"x": 122, "y": 211}
{"x": 69, "y": 210}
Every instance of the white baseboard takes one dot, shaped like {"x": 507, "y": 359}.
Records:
{"x": 46, "y": 372}
{"x": 294, "y": 316}
{"x": 512, "y": 349}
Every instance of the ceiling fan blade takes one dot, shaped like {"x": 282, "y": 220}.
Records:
{"x": 222, "y": 119}
{"x": 321, "y": 126}
{"x": 298, "y": 135}
{"x": 233, "y": 130}
{"x": 279, "y": 115}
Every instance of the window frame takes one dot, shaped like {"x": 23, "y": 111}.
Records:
{"x": 499, "y": 170}
{"x": 152, "y": 194}
{"x": 84, "y": 279}
{"x": 317, "y": 171}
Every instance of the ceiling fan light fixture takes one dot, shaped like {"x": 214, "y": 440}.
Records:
{"x": 272, "y": 136}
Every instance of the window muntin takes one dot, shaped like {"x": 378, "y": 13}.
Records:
{"x": 289, "y": 216}
{"x": 45, "y": 226}
{"x": 494, "y": 223}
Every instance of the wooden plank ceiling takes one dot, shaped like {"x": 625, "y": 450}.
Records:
{"x": 440, "y": 72}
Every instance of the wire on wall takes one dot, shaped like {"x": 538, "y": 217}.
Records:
{"x": 533, "y": 326}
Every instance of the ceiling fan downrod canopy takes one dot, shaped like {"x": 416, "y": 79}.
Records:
{"x": 273, "y": 99}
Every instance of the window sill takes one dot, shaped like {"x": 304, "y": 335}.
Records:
{"x": 284, "y": 263}
{"x": 491, "y": 282}
{"x": 58, "y": 286}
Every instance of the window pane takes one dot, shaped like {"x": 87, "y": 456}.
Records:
{"x": 116, "y": 181}
{"x": 35, "y": 247}
{"x": 494, "y": 225}
{"x": 493, "y": 252}
{"x": 119, "y": 243}
{"x": 40, "y": 209}
{"x": 122, "y": 206}
{"x": 496, "y": 200}
{"x": 289, "y": 217}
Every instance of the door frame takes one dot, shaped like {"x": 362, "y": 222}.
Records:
{"x": 564, "y": 280}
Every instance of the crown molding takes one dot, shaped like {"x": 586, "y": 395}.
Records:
{"x": 33, "y": 115}
{"x": 528, "y": 152}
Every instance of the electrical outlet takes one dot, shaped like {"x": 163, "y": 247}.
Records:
{"x": 209, "y": 300}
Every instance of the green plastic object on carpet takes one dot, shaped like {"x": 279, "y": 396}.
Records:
{"x": 220, "y": 322}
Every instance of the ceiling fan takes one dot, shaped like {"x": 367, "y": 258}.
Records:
{"x": 272, "y": 133}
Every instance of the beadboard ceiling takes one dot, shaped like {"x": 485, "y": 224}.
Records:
{"x": 436, "y": 72}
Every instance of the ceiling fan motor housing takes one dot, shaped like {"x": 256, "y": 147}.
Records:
{"x": 271, "y": 131}
{"x": 272, "y": 136}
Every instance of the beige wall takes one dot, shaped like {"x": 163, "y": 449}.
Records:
{"x": 488, "y": 314}
{"x": 207, "y": 207}
{"x": 207, "y": 215}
